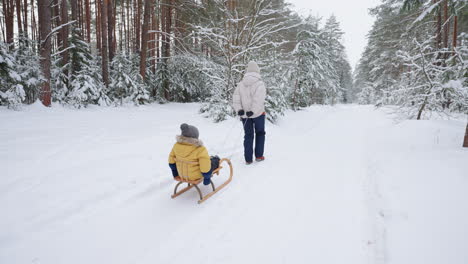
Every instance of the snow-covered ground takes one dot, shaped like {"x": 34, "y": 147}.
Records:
{"x": 342, "y": 184}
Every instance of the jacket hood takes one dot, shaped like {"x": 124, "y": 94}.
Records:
{"x": 188, "y": 140}
{"x": 251, "y": 78}
{"x": 190, "y": 145}
{"x": 252, "y": 66}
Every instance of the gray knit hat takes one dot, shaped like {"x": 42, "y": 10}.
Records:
{"x": 189, "y": 131}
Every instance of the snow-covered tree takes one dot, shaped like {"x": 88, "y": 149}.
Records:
{"x": 192, "y": 78}
{"x": 334, "y": 38}
{"x": 316, "y": 79}
{"x": 127, "y": 85}
{"x": 415, "y": 58}
{"x": 233, "y": 34}
{"x": 379, "y": 64}
{"x": 366, "y": 94}
{"x": 85, "y": 81}
{"x": 277, "y": 76}
{"x": 59, "y": 80}
{"x": 11, "y": 92}
{"x": 20, "y": 74}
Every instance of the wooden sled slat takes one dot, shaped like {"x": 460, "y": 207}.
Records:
{"x": 231, "y": 172}
{"x": 195, "y": 183}
{"x": 182, "y": 191}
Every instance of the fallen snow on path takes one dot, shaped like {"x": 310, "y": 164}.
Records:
{"x": 343, "y": 184}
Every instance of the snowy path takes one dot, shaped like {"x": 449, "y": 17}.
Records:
{"x": 93, "y": 186}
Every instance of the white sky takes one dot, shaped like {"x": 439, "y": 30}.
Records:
{"x": 353, "y": 16}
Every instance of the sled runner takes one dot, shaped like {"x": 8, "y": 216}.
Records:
{"x": 182, "y": 168}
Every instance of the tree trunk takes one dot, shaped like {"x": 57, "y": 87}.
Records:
{"x": 18, "y": 17}
{"x": 56, "y": 19}
{"x": 25, "y": 18}
{"x": 455, "y": 25}
{"x": 105, "y": 68}
{"x": 74, "y": 12}
{"x": 446, "y": 24}
{"x": 166, "y": 44}
{"x": 154, "y": 24}
{"x": 438, "y": 27}
{"x": 163, "y": 25}
{"x": 64, "y": 31}
{"x": 45, "y": 48}
{"x": 157, "y": 33}
{"x": 88, "y": 21}
{"x": 137, "y": 25}
{"x": 2, "y": 24}
{"x": 120, "y": 29}
{"x": 82, "y": 19}
{"x": 144, "y": 39}
{"x": 465, "y": 142}
{"x": 9, "y": 20}
{"x": 129, "y": 25}
{"x": 98, "y": 26}
{"x": 110, "y": 29}
{"x": 114, "y": 23}
{"x": 124, "y": 27}
{"x": 33, "y": 22}
{"x": 167, "y": 29}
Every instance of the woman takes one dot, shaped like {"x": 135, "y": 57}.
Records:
{"x": 249, "y": 103}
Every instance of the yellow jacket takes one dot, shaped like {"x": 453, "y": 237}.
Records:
{"x": 191, "y": 149}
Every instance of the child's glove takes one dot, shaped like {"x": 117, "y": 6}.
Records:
{"x": 206, "y": 178}
{"x": 174, "y": 169}
{"x": 240, "y": 112}
{"x": 249, "y": 113}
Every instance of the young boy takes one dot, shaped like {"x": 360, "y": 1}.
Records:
{"x": 189, "y": 148}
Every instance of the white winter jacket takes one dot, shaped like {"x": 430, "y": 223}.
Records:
{"x": 250, "y": 95}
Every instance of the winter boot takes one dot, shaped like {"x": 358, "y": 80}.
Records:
{"x": 262, "y": 158}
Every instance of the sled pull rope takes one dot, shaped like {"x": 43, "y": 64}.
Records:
{"x": 229, "y": 156}
{"x": 238, "y": 139}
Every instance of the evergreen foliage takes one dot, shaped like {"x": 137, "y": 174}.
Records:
{"x": 85, "y": 81}
{"x": 302, "y": 62}
{"x": 316, "y": 80}
{"x": 126, "y": 82}
{"x": 409, "y": 63}
{"x": 20, "y": 74}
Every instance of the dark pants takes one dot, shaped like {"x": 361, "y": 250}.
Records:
{"x": 254, "y": 126}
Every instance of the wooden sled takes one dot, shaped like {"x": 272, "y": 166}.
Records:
{"x": 182, "y": 168}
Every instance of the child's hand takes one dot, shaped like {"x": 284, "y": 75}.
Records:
{"x": 249, "y": 113}
{"x": 240, "y": 112}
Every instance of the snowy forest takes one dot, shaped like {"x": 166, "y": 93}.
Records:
{"x": 416, "y": 57}
{"x": 79, "y": 53}
{"x": 233, "y": 131}
{"x": 120, "y": 52}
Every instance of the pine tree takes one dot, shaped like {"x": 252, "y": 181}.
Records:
{"x": 11, "y": 92}
{"x": 334, "y": 38}
{"x": 126, "y": 83}
{"x": 28, "y": 69}
{"x": 315, "y": 75}
{"x": 85, "y": 85}
{"x": 276, "y": 74}
{"x": 21, "y": 78}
